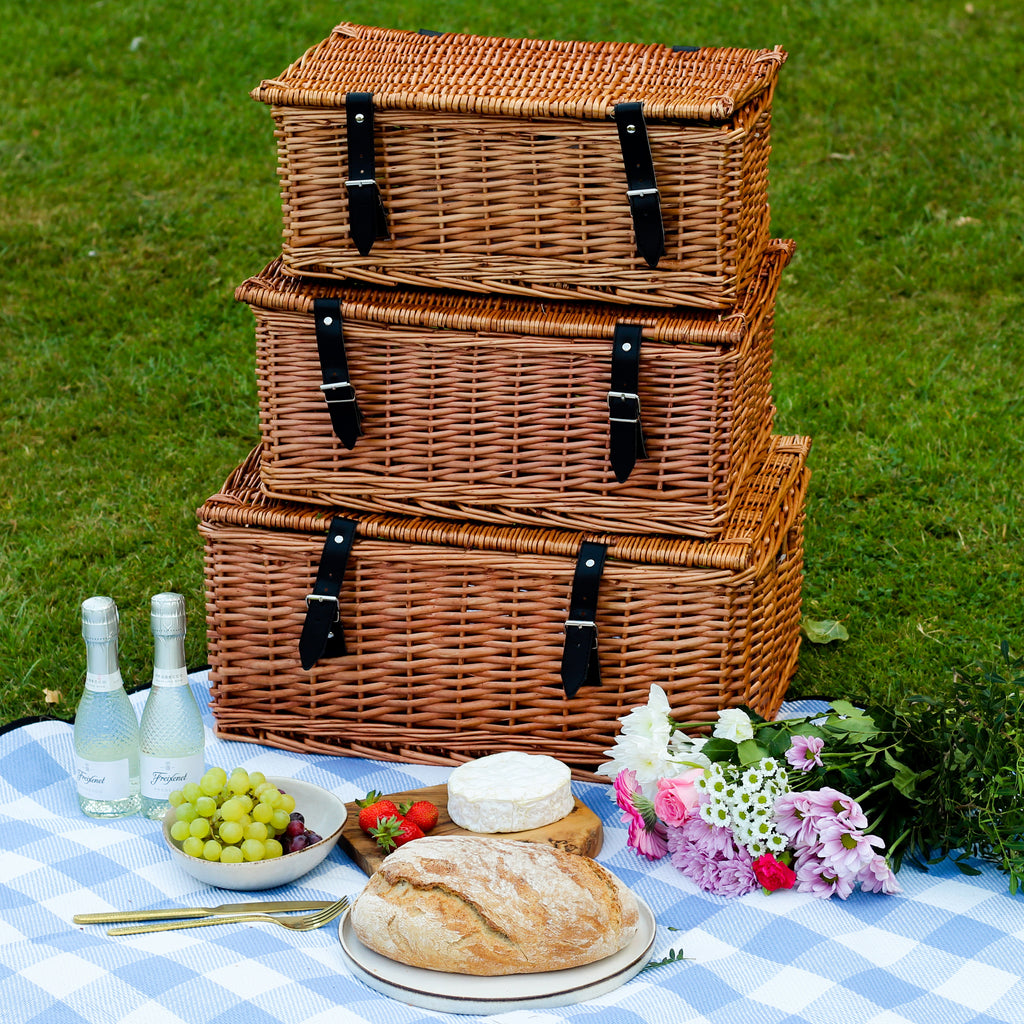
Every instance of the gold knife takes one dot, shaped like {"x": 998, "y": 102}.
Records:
{"x": 176, "y": 913}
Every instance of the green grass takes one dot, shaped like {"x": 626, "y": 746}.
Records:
{"x": 138, "y": 187}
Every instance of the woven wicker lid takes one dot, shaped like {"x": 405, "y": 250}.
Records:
{"x": 522, "y": 77}
{"x": 274, "y": 290}
{"x": 772, "y": 499}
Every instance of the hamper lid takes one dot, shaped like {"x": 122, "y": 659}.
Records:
{"x": 522, "y": 77}
{"x": 771, "y": 503}
{"x": 275, "y": 290}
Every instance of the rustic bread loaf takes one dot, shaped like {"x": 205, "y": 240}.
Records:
{"x": 487, "y": 906}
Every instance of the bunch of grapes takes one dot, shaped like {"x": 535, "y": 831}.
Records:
{"x": 237, "y": 817}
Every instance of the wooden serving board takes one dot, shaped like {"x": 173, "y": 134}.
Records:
{"x": 580, "y": 831}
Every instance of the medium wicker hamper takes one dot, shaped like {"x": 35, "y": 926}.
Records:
{"x": 504, "y": 410}
{"x": 609, "y": 171}
{"x": 455, "y": 640}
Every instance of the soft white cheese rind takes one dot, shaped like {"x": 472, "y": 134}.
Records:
{"x": 509, "y": 792}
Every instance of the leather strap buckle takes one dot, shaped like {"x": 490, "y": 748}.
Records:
{"x": 642, "y": 187}
{"x": 337, "y": 388}
{"x": 338, "y": 391}
{"x": 580, "y": 664}
{"x": 368, "y": 219}
{"x": 624, "y": 403}
{"x": 322, "y": 635}
{"x": 625, "y": 431}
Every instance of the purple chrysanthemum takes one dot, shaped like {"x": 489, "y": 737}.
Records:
{"x": 710, "y": 858}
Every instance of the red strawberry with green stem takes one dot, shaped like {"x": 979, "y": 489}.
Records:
{"x": 372, "y": 808}
{"x": 421, "y": 812}
{"x": 393, "y": 832}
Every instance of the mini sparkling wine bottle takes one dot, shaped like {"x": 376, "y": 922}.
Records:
{"x": 171, "y": 741}
{"x": 106, "y": 736}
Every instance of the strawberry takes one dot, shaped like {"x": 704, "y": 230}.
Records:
{"x": 420, "y": 812}
{"x": 372, "y": 808}
{"x": 393, "y": 832}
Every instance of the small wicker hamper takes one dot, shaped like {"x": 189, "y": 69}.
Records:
{"x": 609, "y": 171}
{"x": 505, "y": 410}
{"x": 437, "y": 641}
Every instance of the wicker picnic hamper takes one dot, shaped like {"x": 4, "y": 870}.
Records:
{"x": 503, "y": 410}
{"x": 610, "y": 171}
{"x": 464, "y": 639}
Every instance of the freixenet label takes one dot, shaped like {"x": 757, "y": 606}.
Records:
{"x": 102, "y": 780}
{"x": 161, "y": 776}
{"x": 106, "y": 682}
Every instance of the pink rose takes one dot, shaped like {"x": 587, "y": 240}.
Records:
{"x": 773, "y": 874}
{"x": 677, "y": 797}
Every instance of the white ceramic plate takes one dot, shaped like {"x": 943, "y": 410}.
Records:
{"x": 464, "y": 993}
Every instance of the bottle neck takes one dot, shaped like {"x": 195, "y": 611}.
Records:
{"x": 101, "y": 657}
{"x": 168, "y": 653}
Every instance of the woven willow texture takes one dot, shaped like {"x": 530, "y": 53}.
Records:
{"x": 501, "y": 170}
{"x": 496, "y": 410}
{"x": 454, "y": 631}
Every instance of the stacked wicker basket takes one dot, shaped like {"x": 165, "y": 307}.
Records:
{"x": 514, "y": 366}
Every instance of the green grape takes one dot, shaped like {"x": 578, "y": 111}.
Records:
{"x": 191, "y": 792}
{"x": 184, "y": 812}
{"x": 287, "y": 803}
{"x": 256, "y": 779}
{"x": 231, "y": 832}
{"x": 211, "y": 850}
{"x": 270, "y": 798}
{"x": 256, "y": 830}
{"x": 263, "y": 812}
{"x": 279, "y": 821}
{"x": 213, "y": 781}
{"x": 252, "y": 849}
{"x": 199, "y": 827}
{"x": 206, "y": 806}
{"x": 176, "y": 797}
{"x": 232, "y": 810}
{"x": 238, "y": 782}
{"x": 193, "y": 846}
{"x": 180, "y": 831}
{"x": 231, "y": 855}
{"x": 272, "y": 848}
{"x": 247, "y": 801}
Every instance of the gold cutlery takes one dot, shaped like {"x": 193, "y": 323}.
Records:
{"x": 175, "y": 913}
{"x": 303, "y": 923}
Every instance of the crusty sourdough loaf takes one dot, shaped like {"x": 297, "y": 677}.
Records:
{"x": 487, "y": 906}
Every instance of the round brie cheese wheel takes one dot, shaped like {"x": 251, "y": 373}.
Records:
{"x": 509, "y": 792}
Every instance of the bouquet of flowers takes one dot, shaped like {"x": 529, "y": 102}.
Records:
{"x": 737, "y": 811}
{"x": 831, "y": 801}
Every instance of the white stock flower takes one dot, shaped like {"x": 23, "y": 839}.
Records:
{"x": 645, "y": 756}
{"x": 653, "y": 720}
{"x": 734, "y": 725}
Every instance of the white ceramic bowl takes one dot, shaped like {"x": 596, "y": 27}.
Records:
{"x": 324, "y": 813}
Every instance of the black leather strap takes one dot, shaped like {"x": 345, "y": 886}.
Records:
{"x": 580, "y": 664}
{"x": 368, "y": 220}
{"x": 338, "y": 391}
{"x": 625, "y": 431}
{"x": 642, "y": 191}
{"x": 322, "y": 635}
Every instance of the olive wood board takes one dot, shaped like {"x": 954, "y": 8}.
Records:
{"x": 580, "y": 831}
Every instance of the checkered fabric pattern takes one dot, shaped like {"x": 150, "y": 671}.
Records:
{"x": 948, "y": 950}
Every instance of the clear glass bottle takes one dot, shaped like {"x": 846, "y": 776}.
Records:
{"x": 171, "y": 739}
{"x": 106, "y": 736}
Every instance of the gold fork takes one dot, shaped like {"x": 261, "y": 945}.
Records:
{"x": 302, "y": 923}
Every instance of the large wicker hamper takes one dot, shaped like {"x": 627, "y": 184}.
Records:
{"x": 454, "y": 634}
{"x": 500, "y": 410}
{"x": 610, "y": 171}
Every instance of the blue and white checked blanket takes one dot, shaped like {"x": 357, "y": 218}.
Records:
{"x": 948, "y": 950}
